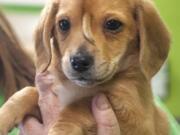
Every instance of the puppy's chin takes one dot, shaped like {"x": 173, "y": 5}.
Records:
{"x": 92, "y": 83}
{"x": 85, "y": 83}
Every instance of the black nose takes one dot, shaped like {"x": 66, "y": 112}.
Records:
{"x": 81, "y": 62}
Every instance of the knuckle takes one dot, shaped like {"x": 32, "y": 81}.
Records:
{"x": 109, "y": 124}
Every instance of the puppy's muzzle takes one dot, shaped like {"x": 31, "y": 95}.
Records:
{"x": 81, "y": 62}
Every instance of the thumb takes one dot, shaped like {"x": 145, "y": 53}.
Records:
{"x": 31, "y": 126}
{"x": 106, "y": 120}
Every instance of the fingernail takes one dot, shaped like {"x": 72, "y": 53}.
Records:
{"x": 102, "y": 102}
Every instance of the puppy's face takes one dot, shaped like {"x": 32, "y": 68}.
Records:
{"x": 92, "y": 37}
{"x": 93, "y": 40}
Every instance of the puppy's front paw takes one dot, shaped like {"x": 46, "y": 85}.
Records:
{"x": 3, "y": 130}
{"x": 65, "y": 129}
{"x": 1, "y": 133}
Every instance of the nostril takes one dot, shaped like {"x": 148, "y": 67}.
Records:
{"x": 81, "y": 63}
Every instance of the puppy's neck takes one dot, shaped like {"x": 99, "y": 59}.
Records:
{"x": 69, "y": 93}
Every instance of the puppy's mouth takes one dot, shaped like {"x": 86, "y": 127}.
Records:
{"x": 83, "y": 80}
{"x": 86, "y": 71}
{"x": 92, "y": 78}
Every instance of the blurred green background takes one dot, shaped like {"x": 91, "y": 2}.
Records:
{"x": 170, "y": 11}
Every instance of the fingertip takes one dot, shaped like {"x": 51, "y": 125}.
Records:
{"x": 100, "y": 103}
{"x": 40, "y": 75}
{"x": 30, "y": 124}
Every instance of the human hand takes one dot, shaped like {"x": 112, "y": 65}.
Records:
{"x": 49, "y": 107}
{"x": 102, "y": 111}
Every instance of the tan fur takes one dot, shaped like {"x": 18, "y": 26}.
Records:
{"x": 17, "y": 69}
{"x": 124, "y": 64}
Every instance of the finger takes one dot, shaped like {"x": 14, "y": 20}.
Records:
{"x": 107, "y": 123}
{"x": 40, "y": 75}
{"x": 44, "y": 82}
{"x": 31, "y": 126}
{"x": 48, "y": 100}
{"x": 49, "y": 109}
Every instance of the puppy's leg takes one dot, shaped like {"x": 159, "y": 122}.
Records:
{"x": 14, "y": 110}
{"x": 75, "y": 119}
{"x": 65, "y": 128}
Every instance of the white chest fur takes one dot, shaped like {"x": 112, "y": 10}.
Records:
{"x": 68, "y": 94}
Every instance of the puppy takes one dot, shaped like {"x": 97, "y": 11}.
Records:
{"x": 114, "y": 47}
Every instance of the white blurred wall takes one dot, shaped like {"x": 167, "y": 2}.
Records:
{"x": 22, "y": 2}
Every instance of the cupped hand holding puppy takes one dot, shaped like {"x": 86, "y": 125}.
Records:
{"x": 102, "y": 111}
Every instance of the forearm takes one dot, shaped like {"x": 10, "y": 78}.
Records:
{"x": 14, "y": 110}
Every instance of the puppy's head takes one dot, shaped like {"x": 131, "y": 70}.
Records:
{"x": 90, "y": 41}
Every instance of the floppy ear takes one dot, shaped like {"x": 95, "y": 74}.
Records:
{"x": 154, "y": 38}
{"x": 43, "y": 36}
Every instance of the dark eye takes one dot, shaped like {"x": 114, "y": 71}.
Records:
{"x": 113, "y": 25}
{"x": 64, "y": 25}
